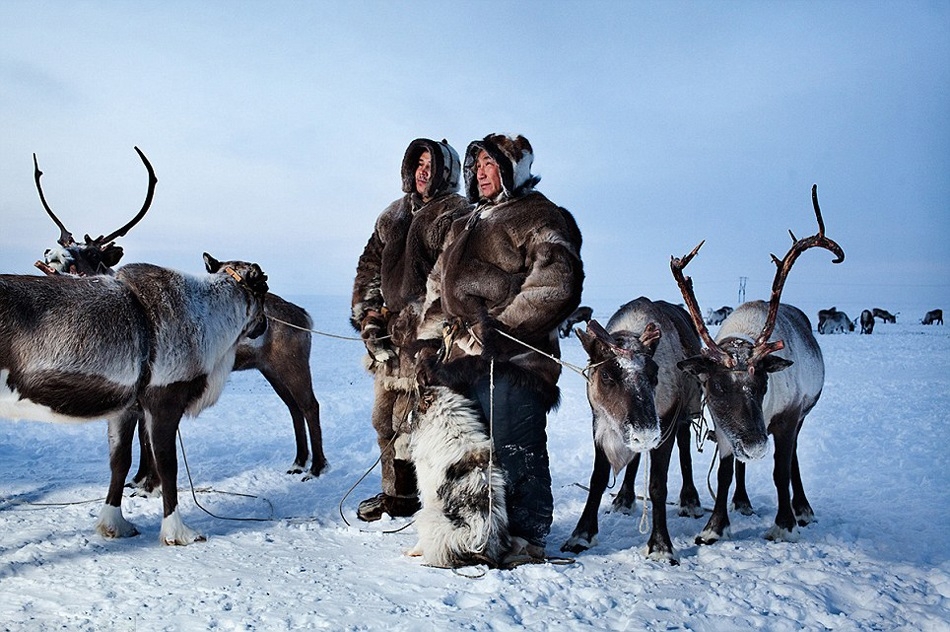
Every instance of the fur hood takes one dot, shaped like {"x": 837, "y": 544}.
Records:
{"x": 514, "y": 156}
{"x": 446, "y": 166}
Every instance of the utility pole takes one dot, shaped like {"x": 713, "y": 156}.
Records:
{"x": 742, "y": 281}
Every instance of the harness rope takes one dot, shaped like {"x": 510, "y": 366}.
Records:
{"x": 360, "y": 480}
{"x": 194, "y": 496}
{"x": 321, "y": 333}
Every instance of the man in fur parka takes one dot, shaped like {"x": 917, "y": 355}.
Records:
{"x": 391, "y": 276}
{"x": 511, "y": 266}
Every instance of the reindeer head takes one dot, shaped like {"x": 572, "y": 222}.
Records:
{"x": 95, "y": 256}
{"x": 621, "y": 390}
{"x": 252, "y": 280}
{"x": 734, "y": 371}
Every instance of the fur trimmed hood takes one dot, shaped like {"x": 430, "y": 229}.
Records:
{"x": 514, "y": 156}
{"x": 446, "y": 166}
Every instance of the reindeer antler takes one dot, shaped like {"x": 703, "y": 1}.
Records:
{"x": 685, "y": 284}
{"x": 65, "y": 237}
{"x": 152, "y": 181}
{"x": 783, "y": 266}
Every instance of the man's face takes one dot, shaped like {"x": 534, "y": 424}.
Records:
{"x": 488, "y": 175}
{"x": 424, "y": 174}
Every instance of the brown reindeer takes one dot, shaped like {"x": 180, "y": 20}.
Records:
{"x": 761, "y": 376}
{"x": 282, "y": 354}
{"x": 933, "y": 317}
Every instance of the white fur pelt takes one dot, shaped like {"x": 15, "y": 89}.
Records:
{"x": 463, "y": 519}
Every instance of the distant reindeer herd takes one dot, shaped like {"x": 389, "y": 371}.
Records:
{"x": 142, "y": 345}
{"x": 833, "y": 321}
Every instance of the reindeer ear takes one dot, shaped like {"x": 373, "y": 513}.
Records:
{"x": 650, "y": 338}
{"x": 595, "y": 346}
{"x": 773, "y": 364}
{"x": 111, "y": 255}
{"x": 212, "y": 265}
{"x": 256, "y": 279}
{"x": 697, "y": 365}
{"x": 587, "y": 340}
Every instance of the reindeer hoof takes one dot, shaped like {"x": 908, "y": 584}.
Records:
{"x": 318, "y": 468}
{"x": 781, "y": 534}
{"x": 663, "y": 556}
{"x": 804, "y": 517}
{"x": 744, "y": 508}
{"x": 691, "y": 511}
{"x": 711, "y": 536}
{"x": 112, "y": 524}
{"x": 174, "y": 532}
{"x": 578, "y": 544}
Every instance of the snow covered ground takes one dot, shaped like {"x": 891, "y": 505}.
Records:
{"x": 280, "y": 556}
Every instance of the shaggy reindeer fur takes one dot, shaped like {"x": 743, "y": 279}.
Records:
{"x": 463, "y": 518}
{"x": 149, "y": 342}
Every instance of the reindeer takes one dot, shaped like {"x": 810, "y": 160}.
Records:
{"x": 885, "y": 315}
{"x": 282, "y": 354}
{"x": 640, "y": 401}
{"x": 582, "y": 313}
{"x": 933, "y": 317}
{"x": 867, "y": 322}
{"x": 832, "y": 321}
{"x": 716, "y": 317}
{"x": 755, "y": 387}
{"x": 148, "y": 343}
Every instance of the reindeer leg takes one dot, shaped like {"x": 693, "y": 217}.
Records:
{"x": 626, "y": 498}
{"x": 111, "y": 522}
{"x": 296, "y": 414}
{"x": 740, "y": 500}
{"x": 145, "y": 482}
{"x": 784, "y": 529}
{"x": 718, "y": 525}
{"x": 585, "y": 533}
{"x": 660, "y": 546}
{"x": 689, "y": 497}
{"x": 310, "y": 406}
{"x": 800, "y": 506}
{"x": 162, "y": 421}
{"x": 294, "y": 385}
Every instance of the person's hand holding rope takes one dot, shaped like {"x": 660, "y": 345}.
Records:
{"x": 373, "y": 333}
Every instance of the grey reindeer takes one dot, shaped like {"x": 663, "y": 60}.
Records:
{"x": 640, "y": 402}
{"x": 148, "y": 343}
{"x": 761, "y": 376}
{"x": 282, "y": 354}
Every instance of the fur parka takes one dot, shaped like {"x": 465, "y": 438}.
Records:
{"x": 512, "y": 264}
{"x": 408, "y": 235}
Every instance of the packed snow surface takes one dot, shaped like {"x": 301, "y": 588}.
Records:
{"x": 281, "y": 555}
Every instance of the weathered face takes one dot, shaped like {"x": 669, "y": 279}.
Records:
{"x": 488, "y": 175}
{"x": 734, "y": 397}
{"x": 423, "y": 174}
{"x": 254, "y": 281}
{"x": 621, "y": 392}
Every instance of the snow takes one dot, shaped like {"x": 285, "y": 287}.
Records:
{"x": 281, "y": 556}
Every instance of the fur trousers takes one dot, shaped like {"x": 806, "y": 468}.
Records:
{"x": 463, "y": 519}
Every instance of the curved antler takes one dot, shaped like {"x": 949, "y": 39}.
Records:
{"x": 152, "y": 181}
{"x": 65, "y": 237}
{"x": 783, "y": 266}
{"x": 685, "y": 284}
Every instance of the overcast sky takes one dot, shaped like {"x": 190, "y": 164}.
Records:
{"x": 277, "y": 130}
